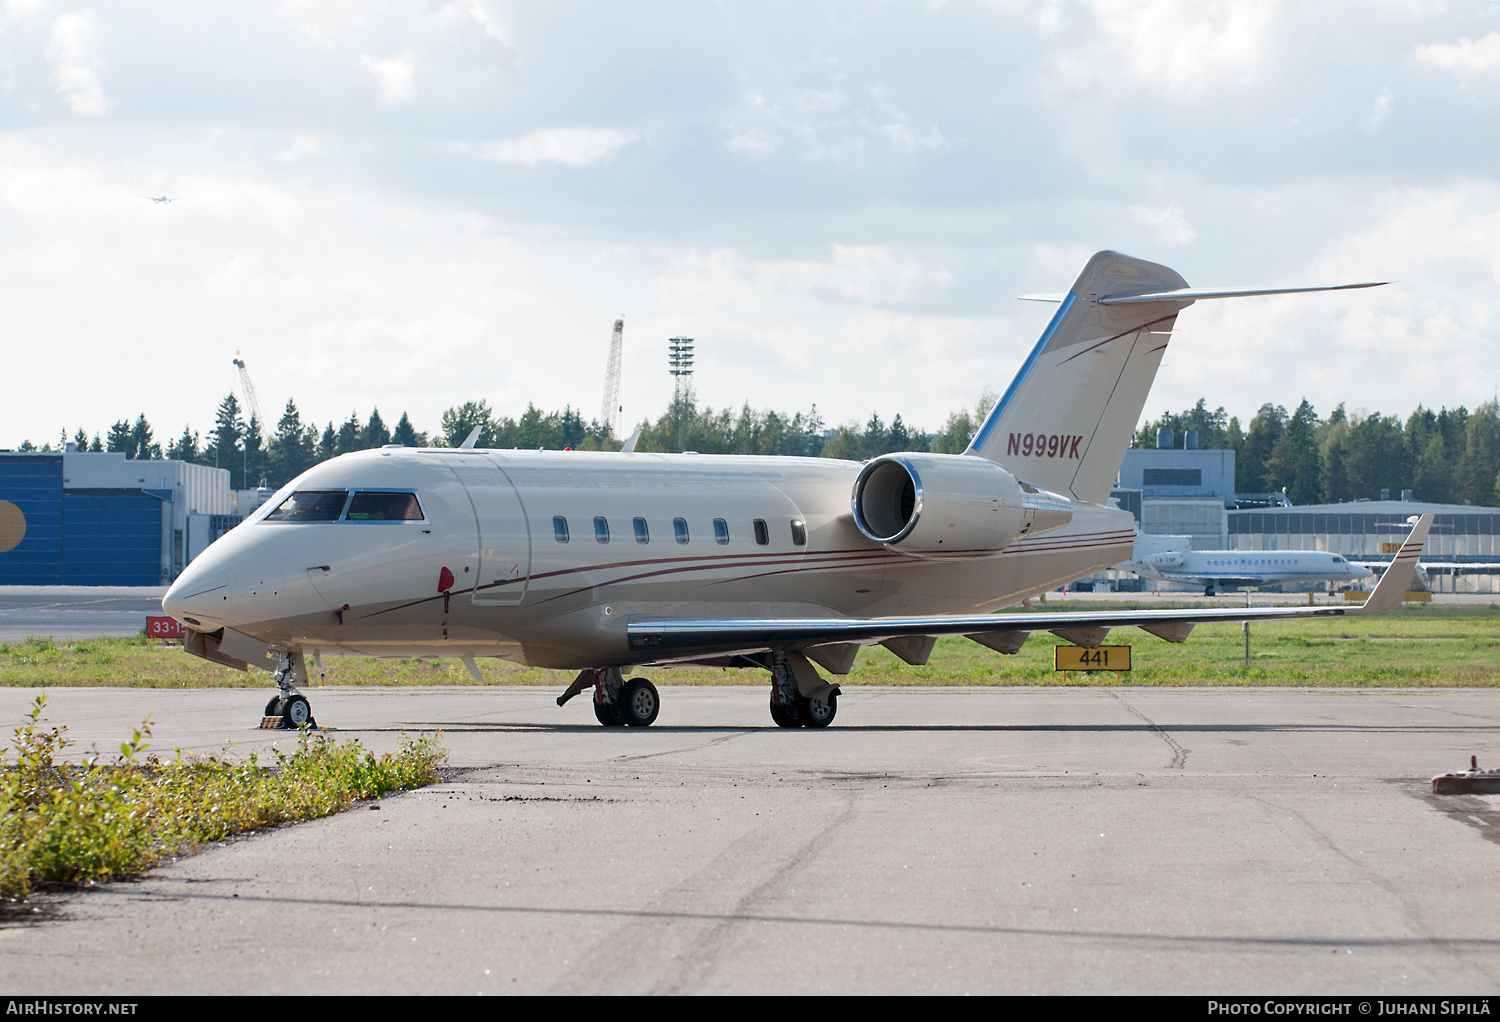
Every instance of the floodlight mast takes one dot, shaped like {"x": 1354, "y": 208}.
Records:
{"x": 680, "y": 361}
{"x": 609, "y": 416}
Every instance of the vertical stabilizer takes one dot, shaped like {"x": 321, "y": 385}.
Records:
{"x": 1068, "y": 416}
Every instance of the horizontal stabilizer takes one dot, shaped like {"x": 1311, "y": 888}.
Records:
{"x": 1193, "y": 294}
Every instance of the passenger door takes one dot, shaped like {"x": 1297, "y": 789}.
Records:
{"x": 504, "y": 537}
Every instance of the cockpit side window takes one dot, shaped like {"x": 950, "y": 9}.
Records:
{"x": 369, "y": 506}
{"x": 310, "y": 506}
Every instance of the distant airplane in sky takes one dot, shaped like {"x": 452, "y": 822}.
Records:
{"x": 1169, "y": 559}
{"x": 163, "y": 199}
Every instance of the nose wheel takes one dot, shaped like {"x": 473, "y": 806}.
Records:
{"x": 289, "y": 709}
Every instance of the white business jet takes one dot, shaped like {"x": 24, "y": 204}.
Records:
{"x": 1169, "y": 559}
{"x": 605, "y": 563}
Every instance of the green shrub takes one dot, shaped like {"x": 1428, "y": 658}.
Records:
{"x": 91, "y": 821}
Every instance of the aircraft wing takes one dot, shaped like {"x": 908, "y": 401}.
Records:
{"x": 690, "y": 638}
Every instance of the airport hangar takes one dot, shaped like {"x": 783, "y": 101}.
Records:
{"x": 95, "y": 519}
{"x": 1185, "y": 491}
{"x": 100, "y": 519}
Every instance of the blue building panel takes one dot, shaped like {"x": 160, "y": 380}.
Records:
{"x": 33, "y": 485}
{"x": 111, "y": 538}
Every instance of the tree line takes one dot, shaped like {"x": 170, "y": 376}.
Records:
{"x": 1449, "y": 456}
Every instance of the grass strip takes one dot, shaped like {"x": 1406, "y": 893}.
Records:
{"x": 1417, "y": 646}
{"x": 94, "y": 821}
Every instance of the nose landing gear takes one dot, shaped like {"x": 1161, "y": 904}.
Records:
{"x": 289, "y": 708}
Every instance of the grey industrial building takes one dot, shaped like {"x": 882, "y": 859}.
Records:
{"x": 1183, "y": 491}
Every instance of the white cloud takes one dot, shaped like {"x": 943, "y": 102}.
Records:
{"x": 1380, "y": 111}
{"x": 1184, "y": 47}
{"x": 827, "y": 123}
{"x": 301, "y": 147}
{"x": 1464, "y": 55}
{"x": 74, "y": 64}
{"x": 1169, "y": 223}
{"x": 1433, "y": 337}
{"x": 575, "y": 147}
{"x": 395, "y": 76}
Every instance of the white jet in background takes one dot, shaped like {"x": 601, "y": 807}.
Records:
{"x": 1171, "y": 559}
{"x": 604, "y": 563}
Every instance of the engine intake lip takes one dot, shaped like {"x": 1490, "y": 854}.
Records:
{"x": 882, "y": 486}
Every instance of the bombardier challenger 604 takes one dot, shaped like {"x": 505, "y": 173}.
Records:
{"x": 606, "y": 563}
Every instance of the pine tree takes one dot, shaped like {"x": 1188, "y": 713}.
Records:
{"x": 374, "y": 433}
{"x": 186, "y": 447}
{"x": 406, "y": 435}
{"x": 227, "y": 449}
{"x": 1434, "y": 476}
{"x": 121, "y": 439}
{"x": 293, "y": 448}
{"x": 141, "y": 437}
{"x": 327, "y": 447}
{"x": 1477, "y": 468}
{"x": 81, "y": 439}
{"x": 1294, "y": 462}
{"x": 1251, "y": 460}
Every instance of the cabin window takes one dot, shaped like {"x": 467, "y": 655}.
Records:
{"x": 560, "y": 528}
{"x": 721, "y": 532}
{"x": 762, "y": 534}
{"x": 310, "y": 506}
{"x": 371, "y": 506}
{"x": 679, "y": 529}
{"x": 601, "y": 529}
{"x": 799, "y": 533}
{"x": 642, "y": 533}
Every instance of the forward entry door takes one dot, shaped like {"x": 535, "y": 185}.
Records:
{"x": 504, "y": 538}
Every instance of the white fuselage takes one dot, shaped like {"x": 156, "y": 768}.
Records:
{"x": 1246, "y": 567}
{"x": 523, "y": 589}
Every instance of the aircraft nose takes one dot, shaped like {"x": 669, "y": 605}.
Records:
{"x": 199, "y": 598}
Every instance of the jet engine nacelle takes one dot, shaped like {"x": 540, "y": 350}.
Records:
{"x": 950, "y": 505}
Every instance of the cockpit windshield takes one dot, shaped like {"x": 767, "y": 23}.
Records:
{"x": 310, "y": 506}
{"x": 340, "y": 506}
{"x": 384, "y": 507}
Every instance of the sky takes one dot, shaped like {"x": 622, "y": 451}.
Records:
{"x": 408, "y": 204}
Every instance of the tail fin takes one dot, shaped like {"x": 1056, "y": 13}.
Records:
{"x": 1393, "y": 584}
{"x": 1068, "y": 416}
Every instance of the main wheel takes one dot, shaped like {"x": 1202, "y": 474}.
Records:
{"x": 820, "y": 713}
{"x": 297, "y": 712}
{"x": 273, "y": 708}
{"x": 606, "y": 714}
{"x": 784, "y": 716}
{"x": 639, "y": 702}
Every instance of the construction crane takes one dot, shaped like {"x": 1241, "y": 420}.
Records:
{"x": 610, "y": 415}
{"x": 253, "y": 406}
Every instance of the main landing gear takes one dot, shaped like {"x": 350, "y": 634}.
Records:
{"x": 617, "y": 702}
{"x": 288, "y": 708}
{"x": 799, "y": 696}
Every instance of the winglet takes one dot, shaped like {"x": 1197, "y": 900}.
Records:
{"x": 1392, "y": 585}
{"x": 631, "y": 441}
{"x": 472, "y": 438}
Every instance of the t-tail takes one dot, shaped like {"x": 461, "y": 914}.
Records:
{"x": 1067, "y": 418}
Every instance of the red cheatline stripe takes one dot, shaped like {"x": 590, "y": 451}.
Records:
{"x": 824, "y": 560}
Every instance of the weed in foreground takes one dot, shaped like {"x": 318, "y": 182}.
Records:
{"x": 93, "y": 821}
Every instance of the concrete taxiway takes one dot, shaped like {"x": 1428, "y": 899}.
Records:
{"x": 75, "y": 612}
{"x": 956, "y": 840}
